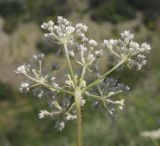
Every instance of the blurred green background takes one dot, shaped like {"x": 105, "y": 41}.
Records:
{"x": 21, "y": 36}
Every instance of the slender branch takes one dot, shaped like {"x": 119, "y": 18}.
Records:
{"x": 35, "y": 73}
{"x": 82, "y": 75}
{"x": 103, "y": 76}
{"x": 69, "y": 64}
{"x": 40, "y": 66}
{"x": 57, "y": 106}
{"x": 52, "y": 88}
{"x": 113, "y": 52}
{"x": 102, "y": 97}
{"x": 71, "y": 107}
{"x": 56, "y": 36}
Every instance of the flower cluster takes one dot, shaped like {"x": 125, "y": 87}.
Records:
{"x": 105, "y": 91}
{"x": 88, "y": 56}
{"x": 63, "y": 32}
{"x": 43, "y": 85}
{"x": 66, "y": 100}
{"x": 129, "y": 50}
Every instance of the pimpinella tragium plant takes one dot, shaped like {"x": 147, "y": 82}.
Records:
{"x": 66, "y": 100}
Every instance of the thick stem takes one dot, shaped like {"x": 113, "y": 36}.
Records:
{"x": 79, "y": 118}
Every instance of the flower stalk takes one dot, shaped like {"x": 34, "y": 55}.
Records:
{"x": 101, "y": 78}
{"x": 69, "y": 64}
{"x": 79, "y": 117}
{"x": 77, "y": 97}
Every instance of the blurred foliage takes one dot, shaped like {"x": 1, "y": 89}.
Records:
{"x": 10, "y": 9}
{"x": 6, "y": 92}
{"x": 112, "y": 10}
{"x": 47, "y": 47}
{"x": 10, "y": 25}
{"x": 150, "y": 10}
{"x": 38, "y": 9}
{"x": 117, "y": 11}
{"x": 101, "y": 10}
{"x": 31, "y": 10}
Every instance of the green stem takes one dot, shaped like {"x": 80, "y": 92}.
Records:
{"x": 79, "y": 118}
{"x": 82, "y": 75}
{"x": 69, "y": 64}
{"x": 103, "y": 76}
{"x": 51, "y": 87}
{"x": 102, "y": 97}
{"x": 40, "y": 66}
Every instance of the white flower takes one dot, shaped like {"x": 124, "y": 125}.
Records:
{"x": 49, "y": 36}
{"x": 44, "y": 26}
{"x": 40, "y": 94}
{"x": 82, "y": 36}
{"x": 43, "y": 114}
{"x": 145, "y": 47}
{"x": 140, "y": 56}
{"x": 127, "y": 35}
{"x": 134, "y": 45}
{"x": 120, "y": 104}
{"x": 140, "y": 61}
{"x": 38, "y": 56}
{"x": 50, "y": 23}
{"x": 24, "y": 87}
{"x": 62, "y": 20}
{"x": 106, "y": 43}
{"x": 55, "y": 85}
{"x": 70, "y": 117}
{"x": 47, "y": 25}
{"x": 53, "y": 79}
{"x": 60, "y": 125}
{"x": 21, "y": 70}
{"x": 81, "y": 27}
{"x": 113, "y": 42}
{"x": 69, "y": 82}
{"x": 92, "y": 42}
{"x": 82, "y": 48}
{"x": 70, "y": 29}
{"x": 71, "y": 53}
{"x": 57, "y": 28}
{"x": 91, "y": 58}
{"x": 83, "y": 101}
{"x": 84, "y": 83}
{"x": 99, "y": 53}
{"x": 110, "y": 43}
{"x": 50, "y": 29}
